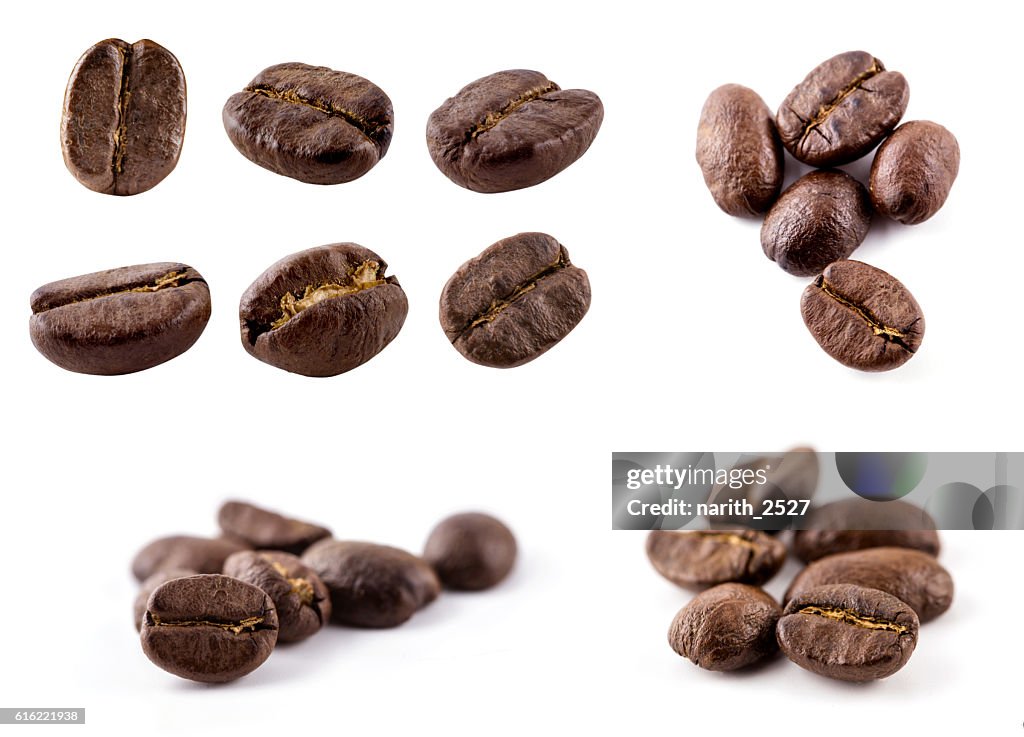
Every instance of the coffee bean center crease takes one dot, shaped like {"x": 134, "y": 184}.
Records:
{"x": 249, "y": 623}
{"x": 493, "y": 119}
{"x": 167, "y": 281}
{"x": 365, "y": 276}
{"x": 124, "y": 95}
{"x": 891, "y": 334}
{"x": 857, "y": 620}
{"x": 825, "y": 110}
{"x": 364, "y": 126}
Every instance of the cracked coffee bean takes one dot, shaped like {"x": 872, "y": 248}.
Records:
{"x": 514, "y": 301}
{"x": 822, "y": 217}
{"x": 150, "y": 585}
{"x": 209, "y": 628}
{"x": 200, "y": 554}
{"x": 911, "y": 576}
{"x": 121, "y": 320}
{"x": 511, "y": 130}
{"x": 372, "y": 585}
{"x": 470, "y": 551}
{"x": 739, "y": 151}
{"x": 310, "y": 123}
{"x": 726, "y": 627}
{"x": 842, "y": 109}
{"x": 856, "y": 524}
{"x": 261, "y": 528}
{"x": 300, "y": 598}
{"x": 913, "y": 171}
{"x": 323, "y": 311}
{"x": 848, "y": 632}
{"x": 863, "y": 317}
{"x": 708, "y": 558}
{"x": 124, "y": 116}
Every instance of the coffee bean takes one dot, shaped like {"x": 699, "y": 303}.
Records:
{"x": 913, "y": 171}
{"x": 200, "y": 554}
{"x": 514, "y": 301}
{"x": 122, "y": 320}
{"x": 842, "y": 109}
{"x": 150, "y": 585}
{"x": 726, "y": 627}
{"x": 470, "y": 551}
{"x": 822, "y": 217}
{"x": 739, "y": 151}
{"x": 863, "y": 317}
{"x": 261, "y": 528}
{"x": 323, "y": 311}
{"x": 372, "y": 585}
{"x": 911, "y": 576}
{"x": 209, "y": 628}
{"x": 856, "y": 524}
{"x": 848, "y": 632}
{"x": 300, "y": 598}
{"x": 310, "y": 123}
{"x": 707, "y": 558}
{"x": 124, "y": 116}
{"x": 511, "y": 130}
{"x": 790, "y": 476}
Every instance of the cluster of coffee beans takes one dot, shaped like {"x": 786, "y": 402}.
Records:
{"x": 860, "y": 315}
{"x": 852, "y": 614}
{"x": 213, "y": 609}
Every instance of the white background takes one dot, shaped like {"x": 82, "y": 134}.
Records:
{"x": 694, "y": 342}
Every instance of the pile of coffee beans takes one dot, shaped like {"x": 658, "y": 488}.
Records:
{"x": 213, "y": 609}
{"x": 852, "y": 614}
{"x": 860, "y": 315}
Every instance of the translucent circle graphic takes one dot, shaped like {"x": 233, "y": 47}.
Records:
{"x": 881, "y": 476}
{"x": 960, "y": 506}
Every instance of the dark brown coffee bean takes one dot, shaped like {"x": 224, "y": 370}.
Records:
{"x": 323, "y": 311}
{"x": 913, "y": 171}
{"x": 842, "y": 109}
{"x": 209, "y": 628}
{"x": 261, "y": 528}
{"x": 790, "y": 476}
{"x": 726, "y": 627}
{"x": 514, "y": 301}
{"x": 372, "y": 585}
{"x": 708, "y": 558}
{"x": 511, "y": 130}
{"x": 911, "y": 576}
{"x": 822, "y": 217}
{"x": 300, "y": 598}
{"x": 124, "y": 116}
{"x": 856, "y": 524}
{"x": 150, "y": 585}
{"x": 739, "y": 150}
{"x": 863, "y": 317}
{"x": 470, "y": 551}
{"x": 200, "y": 554}
{"x": 848, "y": 632}
{"x": 122, "y": 320}
{"x": 310, "y": 123}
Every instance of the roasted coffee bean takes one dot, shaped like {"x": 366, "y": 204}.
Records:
{"x": 310, "y": 123}
{"x": 822, "y": 217}
{"x": 372, "y": 585}
{"x": 707, "y": 558}
{"x": 470, "y": 551}
{"x": 300, "y": 598}
{"x": 911, "y": 576}
{"x": 514, "y": 301}
{"x": 261, "y": 528}
{"x": 842, "y": 109}
{"x": 150, "y": 585}
{"x": 323, "y": 311}
{"x": 848, "y": 632}
{"x": 913, "y": 171}
{"x": 122, "y": 320}
{"x": 863, "y": 317}
{"x": 790, "y": 476}
{"x": 200, "y": 554}
{"x": 209, "y": 628}
{"x": 856, "y": 524}
{"x": 511, "y": 130}
{"x": 124, "y": 116}
{"x": 726, "y": 627}
{"x": 739, "y": 151}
